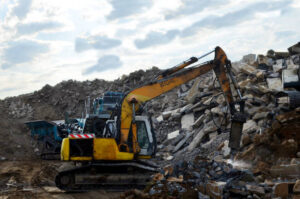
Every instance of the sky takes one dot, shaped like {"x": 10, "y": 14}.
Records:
{"x": 46, "y": 42}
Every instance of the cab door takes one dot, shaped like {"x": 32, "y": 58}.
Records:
{"x": 145, "y": 136}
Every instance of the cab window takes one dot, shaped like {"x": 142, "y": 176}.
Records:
{"x": 142, "y": 135}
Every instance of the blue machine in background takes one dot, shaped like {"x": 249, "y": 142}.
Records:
{"x": 103, "y": 106}
{"x": 49, "y": 134}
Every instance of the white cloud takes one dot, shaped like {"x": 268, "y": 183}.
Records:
{"x": 95, "y": 42}
{"x": 107, "y": 62}
{"x": 34, "y": 27}
{"x": 22, "y": 8}
{"x": 189, "y": 7}
{"x": 126, "y": 8}
{"x": 22, "y": 51}
{"x": 156, "y": 38}
{"x": 137, "y": 34}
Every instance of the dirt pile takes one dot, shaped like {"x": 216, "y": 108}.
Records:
{"x": 50, "y": 103}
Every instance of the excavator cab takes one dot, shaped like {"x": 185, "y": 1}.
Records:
{"x": 145, "y": 136}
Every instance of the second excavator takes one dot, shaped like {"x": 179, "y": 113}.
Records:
{"x": 115, "y": 158}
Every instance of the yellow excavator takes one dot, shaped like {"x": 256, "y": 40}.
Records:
{"x": 115, "y": 159}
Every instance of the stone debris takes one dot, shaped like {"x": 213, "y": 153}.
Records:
{"x": 274, "y": 83}
{"x": 192, "y": 126}
{"x": 187, "y": 121}
{"x": 269, "y": 145}
{"x": 174, "y": 134}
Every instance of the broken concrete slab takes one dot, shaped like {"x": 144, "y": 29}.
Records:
{"x": 173, "y": 134}
{"x": 215, "y": 189}
{"x": 187, "y": 121}
{"x": 210, "y": 127}
{"x": 296, "y": 187}
{"x": 217, "y": 111}
{"x": 199, "y": 121}
{"x": 52, "y": 189}
{"x": 166, "y": 115}
{"x": 196, "y": 141}
{"x": 277, "y": 67}
{"x": 247, "y": 69}
{"x": 182, "y": 142}
{"x": 275, "y": 84}
{"x": 249, "y": 59}
{"x": 213, "y": 135}
{"x": 192, "y": 93}
{"x": 244, "y": 82}
{"x": 236, "y": 67}
{"x": 292, "y": 170}
{"x": 256, "y": 189}
{"x": 185, "y": 109}
{"x": 289, "y": 76}
{"x": 226, "y": 149}
{"x": 295, "y": 49}
{"x": 260, "y": 115}
{"x": 160, "y": 118}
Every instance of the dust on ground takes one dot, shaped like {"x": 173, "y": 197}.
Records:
{"x": 35, "y": 180}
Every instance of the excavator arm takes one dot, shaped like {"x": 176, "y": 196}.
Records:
{"x": 168, "y": 80}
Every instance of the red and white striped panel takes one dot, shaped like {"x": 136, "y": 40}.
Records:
{"x": 75, "y": 135}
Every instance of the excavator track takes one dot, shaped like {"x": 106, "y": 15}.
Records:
{"x": 111, "y": 176}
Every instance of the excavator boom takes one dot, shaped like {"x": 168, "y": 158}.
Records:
{"x": 170, "y": 79}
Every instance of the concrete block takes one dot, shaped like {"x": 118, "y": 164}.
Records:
{"x": 249, "y": 126}
{"x": 192, "y": 93}
{"x": 296, "y": 187}
{"x": 166, "y": 115}
{"x": 196, "y": 140}
{"x": 215, "y": 189}
{"x": 182, "y": 142}
{"x": 292, "y": 170}
{"x": 199, "y": 121}
{"x": 172, "y": 135}
{"x": 247, "y": 69}
{"x": 160, "y": 118}
{"x": 249, "y": 59}
{"x": 187, "y": 121}
{"x": 290, "y": 75}
{"x": 275, "y": 84}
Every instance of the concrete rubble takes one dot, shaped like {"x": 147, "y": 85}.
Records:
{"x": 192, "y": 127}
{"x": 267, "y": 164}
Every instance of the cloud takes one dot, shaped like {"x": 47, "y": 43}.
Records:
{"x": 33, "y": 27}
{"x": 107, "y": 62}
{"x": 156, "y": 38}
{"x": 126, "y": 8}
{"x": 96, "y": 42}
{"x": 287, "y": 33}
{"x": 22, "y": 51}
{"x": 22, "y": 8}
{"x": 193, "y": 6}
{"x": 234, "y": 18}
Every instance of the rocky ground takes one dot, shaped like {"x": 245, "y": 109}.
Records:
{"x": 192, "y": 125}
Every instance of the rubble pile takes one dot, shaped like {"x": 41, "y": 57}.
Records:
{"x": 50, "y": 103}
{"x": 270, "y": 140}
{"x": 192, "y": 125}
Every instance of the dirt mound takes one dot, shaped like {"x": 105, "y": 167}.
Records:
{"x": 50, "y": 103}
